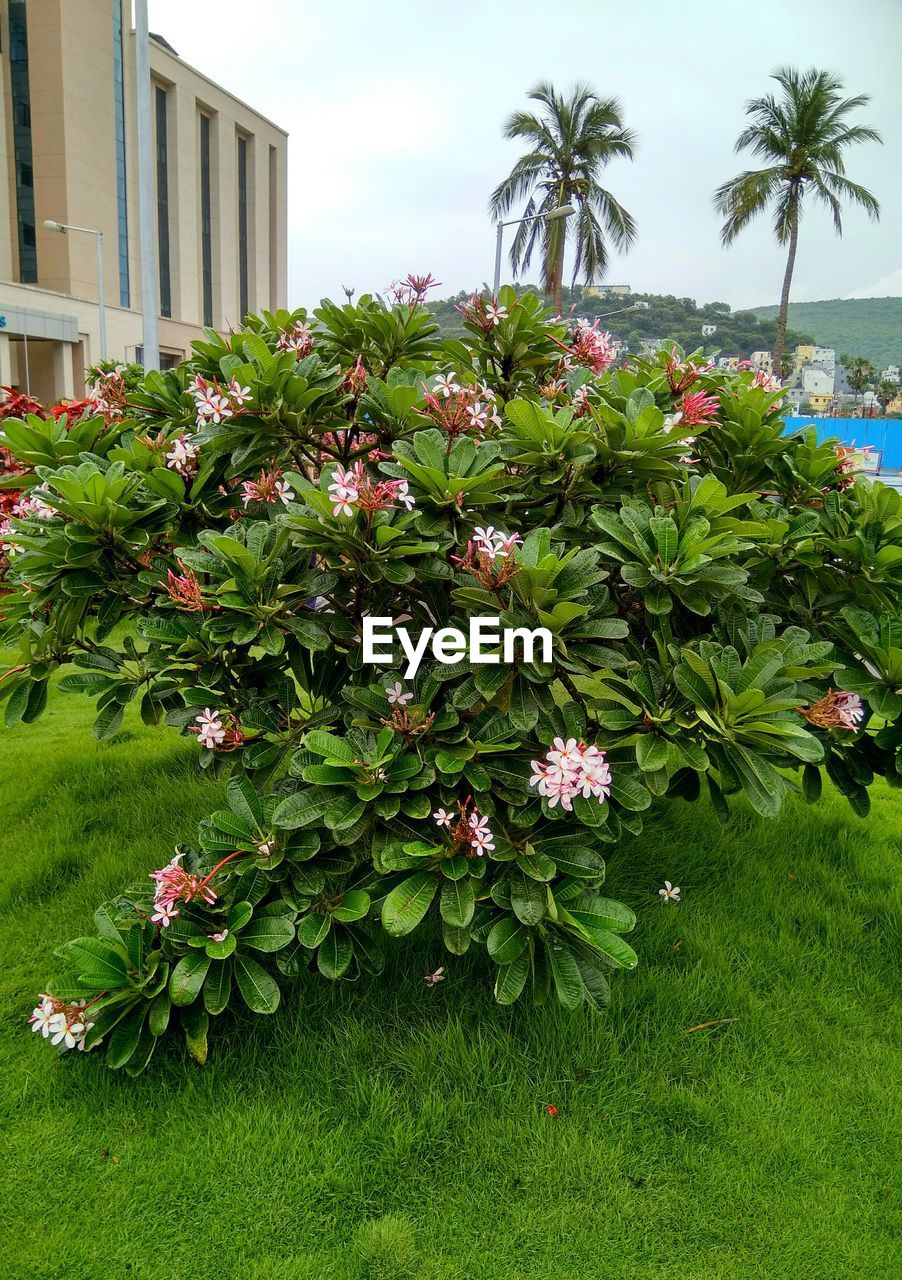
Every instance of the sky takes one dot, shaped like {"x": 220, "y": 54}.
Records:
{"x": 395, "y": 109}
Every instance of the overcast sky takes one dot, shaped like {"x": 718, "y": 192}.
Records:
{"x": 394, "y": 111}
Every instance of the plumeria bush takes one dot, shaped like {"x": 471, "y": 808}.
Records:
{"x": 210, "y": 542}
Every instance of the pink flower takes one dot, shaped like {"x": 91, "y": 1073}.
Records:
{"x": 182, "y": 456}
{"x": 696, "y": 408}
{"x": 396, "y": 695}
{"x": 445, "y": 385}
{"x": 766, "y": 381}
{"x": 268, "y": 487}
{"x": 442, "y": 818}
{"x": 298, "y": 339}
{"x": 837, "y": 709}
{"x": 219, "y": 937}
{"x": 571, "y": 769}
{"x": 212, "y": 731}
{"x": 343, "y": 492}
{"x": 591, "y": 348}
{"x": 175, "y": 885}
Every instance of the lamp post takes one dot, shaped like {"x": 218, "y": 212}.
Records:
{"x": 147, "y": 237}
{"x": 562, "y": 211}
{"x": 63, "y": 227}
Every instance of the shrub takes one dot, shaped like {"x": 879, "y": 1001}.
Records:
{"x": 722, "y": 598}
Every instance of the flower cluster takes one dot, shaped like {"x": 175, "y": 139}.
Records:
{"x": 107, "y": 396}
{"x": 571, "y": 769}
{"x": 766, "y": 381}
{"x": 175, "y": 885}
{"x": 355, "y": 378}
{"x": 591, "y": 347}
{"x": 468, "y": 830}
{"x": 484, "y": 551}
{"x": 411, "y": 723}
{"x": 268, "y": 487}
{"x": 215, "y": 403}
{"x": 696, "y": 409}
{"x": 184, "y": 590}
{"x": 298, "y": 339}
{"x": 217, "y": 730}
{"x": 837, "y": 709}
{"x": 847, "y": 464}
{"x": 354, "y": 488}
{"x": 485, "y": 314}
{"x": 182, "y": 457}
{"x": 456, "y": 410}
{"x": 681, "y": 375}
{"x": 64, "y": 1023}
{"x": 412, "y": 290}
{"x": 32, "y": 504}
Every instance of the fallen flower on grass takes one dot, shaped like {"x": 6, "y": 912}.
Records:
{"x": 551, "y": 1110}
{"x": 670, "y": 892}
{"x": 433, "y": 979}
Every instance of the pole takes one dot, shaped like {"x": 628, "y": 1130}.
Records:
{"x": 497, "y": 284}
{"x": 27, "y": 374}
{"x": 147, "y": 234}
{"x": 101, "y": 299}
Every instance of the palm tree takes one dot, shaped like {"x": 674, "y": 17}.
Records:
{"x": 860, "y": 372}
{"x": 801, "y": 135}
{"x": 569, "y": 141}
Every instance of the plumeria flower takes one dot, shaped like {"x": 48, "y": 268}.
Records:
{"x": 495, "y": 314}
{"x": 433, "y": 979}
{"x": 182, "y": 456}
{"x": 343, "y": 492}
{"x": 212, "y": 406}
{"x": 33, "y": 505}
{"x": 670, "y": 892}
{"x": 237, "y": 393}
{"x": 212, "y": 730}
{"x": 481, "y": 837}
{"x": 445, "y": 385}
{"x": 218, "y": 937}
{"x": 42, "y": 1016}
{"x": 404, "y": 496}
{"x": 442, "y": 818}
{"x": 571, "y": 769}
{"x": 396, "y": 695}
{"x": 283, "y": 491}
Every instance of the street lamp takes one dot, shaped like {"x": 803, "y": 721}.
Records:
{"x": 63, "y": 227}
{"x": 562, "y": 211}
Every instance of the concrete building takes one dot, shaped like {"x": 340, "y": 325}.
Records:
{"x": 68, "y": 150}
{"x": 763, "y": 360}
{"x": 816, "y": 382}
{"x": 606, "y": 291}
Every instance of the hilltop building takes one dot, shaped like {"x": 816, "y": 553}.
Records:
{"x": 606, "y": 291}
{"x": 68, "y": 149}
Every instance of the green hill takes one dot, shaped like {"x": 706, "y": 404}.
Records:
{"x": 869, "y": 327}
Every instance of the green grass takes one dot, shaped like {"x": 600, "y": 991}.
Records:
{"x": 388, "y": 1130}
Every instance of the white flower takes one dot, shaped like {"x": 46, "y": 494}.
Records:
{"x": 442, "y": 818}
{"x": 182, "y": 456}
{"x": 396, "y": 694}
{"x": 670, "y": 892}
{"x": 284, "y": 491}
{"x": 42, "y": 1017}
{"x": 237, "y": 393}
{"x": 495, "y": 314}
{"x": 445, "y": 385}
{"x": 212, "y": 730}
{"x": 404, "y": 496}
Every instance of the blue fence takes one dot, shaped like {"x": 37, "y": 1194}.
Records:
{"x": 884, "y": 435}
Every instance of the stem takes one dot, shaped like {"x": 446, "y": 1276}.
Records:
{"x": 206, "y": 880}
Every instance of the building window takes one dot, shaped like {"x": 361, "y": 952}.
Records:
{"x": 121, "y": 188}
{"x": 161, "y": 103}
{"x": 21, "y": 104}
{"x": 206, "y": 220}
{"x": 243, "y": 305}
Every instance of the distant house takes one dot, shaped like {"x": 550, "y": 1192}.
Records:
{"x": 708, "y": 330}
{"x": 817, "y": 381}
{"x": 606, "y": 291}
{"x": 820, "y": 401}
{"x": 728, "y": 362}
{"x": 891, "y": 373}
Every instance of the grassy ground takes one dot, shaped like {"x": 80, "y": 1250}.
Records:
{"x": 388, "y": 1130}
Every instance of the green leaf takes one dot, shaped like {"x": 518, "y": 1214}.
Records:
{"x": 335, "y": 954}
{"x": 187, "y": 978}
{"x": 354, "y": 905}
{"x": 507, "y": 940}
{"x": 268, "y": 933}
{"x": 258, "y": 988}
{"x": 218, "y": 987}
{"x": 408, "y": 902}
{"x": 528, "y": 898}
{"x": 512, "y": 978}
{"x": 568, "y": 982}
{"x": 458, "y": 902}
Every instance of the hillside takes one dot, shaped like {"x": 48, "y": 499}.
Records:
{"x": 869, "y": 327}
{"x": 657, "y": 316}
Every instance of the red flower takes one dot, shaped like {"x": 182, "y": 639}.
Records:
{"x": 551, "y": 1109}
{"x": 696, "y": 407}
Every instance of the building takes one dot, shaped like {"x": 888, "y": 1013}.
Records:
{"x": 728, "y": 362}
{"x": 606, "y": 291}
{"x": 816, "y": 382}
{"x": 891, "y": 374}
{"x": 708, "y": 330}
{"x": 820, "y": 401}
{"x": 68, "y": 149}
{"x": 762, "y": 360}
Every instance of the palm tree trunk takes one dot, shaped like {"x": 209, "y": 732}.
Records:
{"x": 784, "y": 296}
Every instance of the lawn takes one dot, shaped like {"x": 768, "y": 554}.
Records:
{"x": 390, "y": 1130}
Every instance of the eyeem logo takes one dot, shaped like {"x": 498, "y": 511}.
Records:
{"x": 450, "y": 644}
